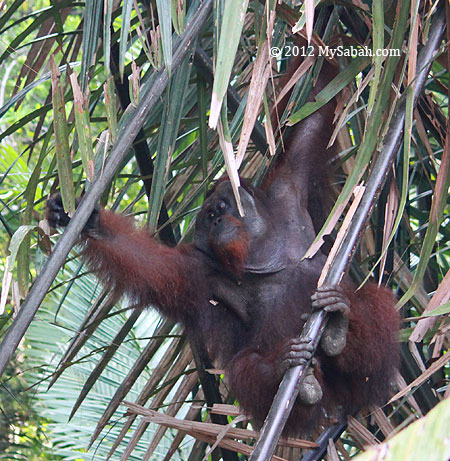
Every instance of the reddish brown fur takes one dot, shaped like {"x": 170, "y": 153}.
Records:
{"x": 373, "y": 326}
{"x": 311, "y": 145}
{"x": 371, "y": 354}
{"x": 130, "y": 261}
{"x": 121, "y": 261}
{"x": 247, "y": 324}
{"x": 233, "y": 254}
{"x": 255, "y": 382}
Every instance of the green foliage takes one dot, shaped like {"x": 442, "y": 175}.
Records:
{"x": 52, "y": 333}
{"x": 424, "y": 439}
{"x": 23, "y": 429}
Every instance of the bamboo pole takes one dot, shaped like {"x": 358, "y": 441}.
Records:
{"x": 287, "y": 393}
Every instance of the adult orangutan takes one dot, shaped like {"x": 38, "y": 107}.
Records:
{"x": 242, "y": 288}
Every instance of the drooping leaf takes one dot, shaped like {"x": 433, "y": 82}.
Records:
{"x": 63, "y": 157}
{"x": 170, "y": 123}
{"x": 83, "y": 127}
{"x": 91, "y": 33}
{"x": 165, "y": 20}
{"x": 16, "y": 241}
{"x": 232, "y": 23}
{"x": 127, "y": 6}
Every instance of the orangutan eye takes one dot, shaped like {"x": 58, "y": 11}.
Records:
{"x": 222, "y": 205}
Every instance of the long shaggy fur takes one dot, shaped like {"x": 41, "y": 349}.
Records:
{"x": 244, "y": 317}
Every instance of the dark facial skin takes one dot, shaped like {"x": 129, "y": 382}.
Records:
{"x": 219, "y": 223}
